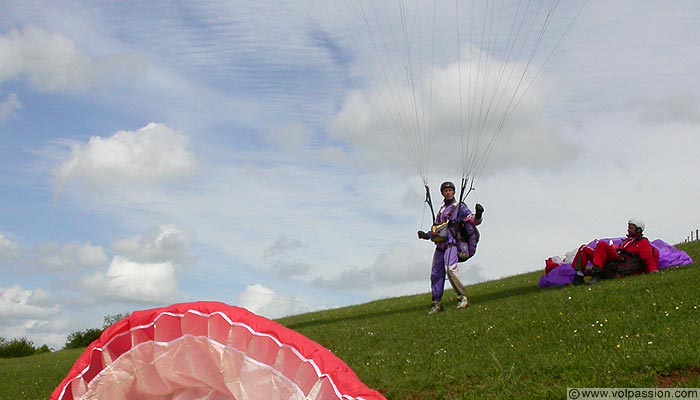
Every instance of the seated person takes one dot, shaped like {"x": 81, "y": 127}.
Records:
{"x": 635, "y": 255}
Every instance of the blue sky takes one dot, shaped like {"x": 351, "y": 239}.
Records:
{"x": 243, "y": 152}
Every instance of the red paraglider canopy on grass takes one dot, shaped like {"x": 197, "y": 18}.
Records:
{"x": 207, "y": 351}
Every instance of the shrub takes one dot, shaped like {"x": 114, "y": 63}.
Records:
{"x": 43, "y": 349}
{"x": 82, "y": 339}
{"x": 21, "y": 347}
{"x": 113, "y": 319}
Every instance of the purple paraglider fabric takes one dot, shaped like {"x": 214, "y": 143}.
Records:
{"x": 560, "y": 276}
{"x": 670, "y": 256}
{"x": 563, "y": 275}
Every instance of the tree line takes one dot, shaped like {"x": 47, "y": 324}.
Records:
{"x": 23, "y": 347}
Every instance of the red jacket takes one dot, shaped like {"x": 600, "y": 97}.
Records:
{"x": 639, "y": 247}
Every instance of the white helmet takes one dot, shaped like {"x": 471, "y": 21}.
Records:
{"x": 638, "y": 223}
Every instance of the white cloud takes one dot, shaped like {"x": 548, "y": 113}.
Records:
{"x": 166, "y": 243}
{"x": 21, "y": 304}
{"x": 9, "y": 251}
{"x": 50, "y": 331}
{"x": 151, "y": 155}
{"x": 348, "y": 279}
{"x": 133, "y": 282}
{"x": 51, "y": 62}
{"x": 9, "y": 107}
{"x": 403, "y": 263}
{"x": 31, "y": 314}
{"x": 283, "y": 257}
{"x": 264, "y": 301}
{"x": 380, "y": 122}
{"x": 70, "y": 256}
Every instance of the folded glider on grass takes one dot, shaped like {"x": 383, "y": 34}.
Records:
{"x": 207, "y": 351}
{"x": 560, "y": 273}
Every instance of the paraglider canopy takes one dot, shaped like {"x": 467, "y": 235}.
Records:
{"x": 207, "y": 351}
{"x": 439, "y": 82}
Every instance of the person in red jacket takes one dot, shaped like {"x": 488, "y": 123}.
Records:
{"x": 634, "y": 255}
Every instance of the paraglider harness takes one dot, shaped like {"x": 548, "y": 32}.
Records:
{"x": 439, "y": 232}
{"x": 629, "y": 263}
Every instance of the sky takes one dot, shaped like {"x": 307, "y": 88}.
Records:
{"x": 273, "y": 155}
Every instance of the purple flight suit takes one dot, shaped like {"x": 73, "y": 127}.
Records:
{"x": 446, "y": 253}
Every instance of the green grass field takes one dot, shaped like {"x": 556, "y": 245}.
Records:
{"x": 515, "y": 341}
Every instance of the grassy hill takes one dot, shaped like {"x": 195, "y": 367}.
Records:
{"x": 515, "y": 341}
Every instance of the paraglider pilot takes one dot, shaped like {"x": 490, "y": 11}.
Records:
{"x": 634, "y": 255}
{"x": 456, "y": 236}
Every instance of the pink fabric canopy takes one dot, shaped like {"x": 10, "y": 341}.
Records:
{"x": 207, "y": 351}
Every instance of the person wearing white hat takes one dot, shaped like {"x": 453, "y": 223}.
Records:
{"x": 634, "y": 255}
